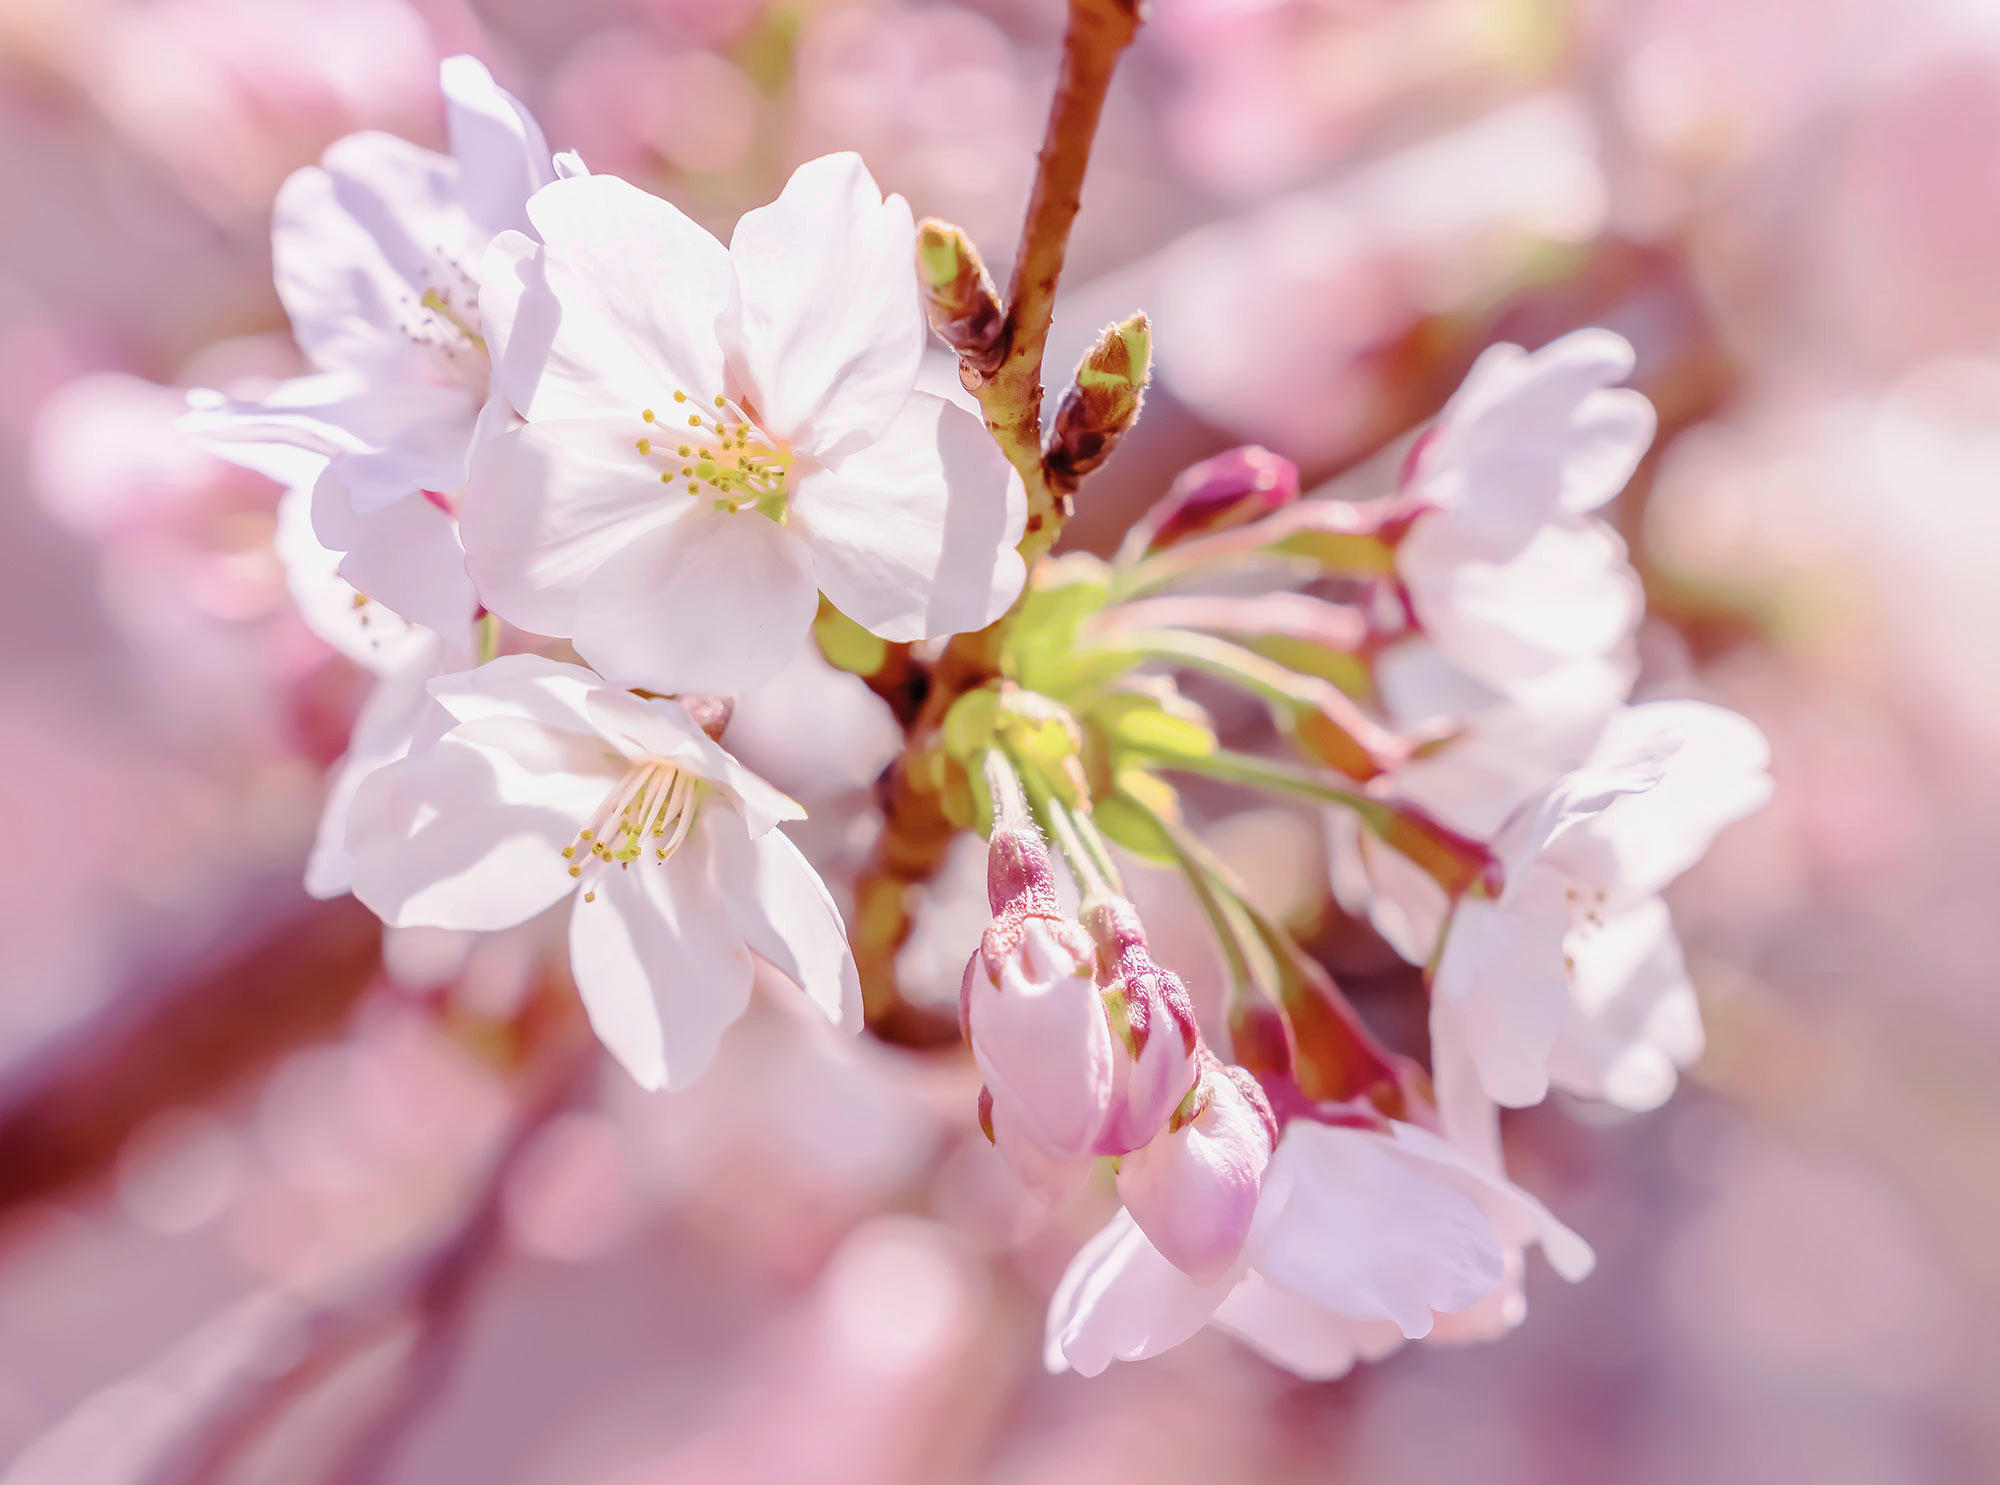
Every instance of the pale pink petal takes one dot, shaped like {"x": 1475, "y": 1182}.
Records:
{"x": 407, "y": 559}
{"x": 1502, "y": 970}
{"x": 552, "y": 695}
{"x": 1194, "y": 1190}
{"x": 913, "y": 536}
{"x": 356, "y": 243}
{"x": 548, "y": 506}
{"x": 361, "y": 629}
{"x": 1119, "y": 1300}
{"x": 388, "y": 437}
{"x": 501, "y": 156}
{"x": 1305, "y": 1339}
{"x": 660, "y": 966}
{"x": 1634, "y": 1021}
{"x": 784, "y": 912}
{"x": 1527, "y": 436}
{"x": 465, "y": 834}
{"x": 715, "y": 602}
{"x": 639, "y": 287}
{"x": 1356, "y": 1226}
{"x": 1518, "y": 1218}
{"x": 1568, "y": 594}
{"x": 382, "y": 734}
{"x": 1714, "y": 772}
{"x": 825, "y": 328}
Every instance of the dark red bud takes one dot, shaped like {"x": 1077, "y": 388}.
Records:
{"x": 1232, "y": 489}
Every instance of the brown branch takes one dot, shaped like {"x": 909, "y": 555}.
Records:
{"x": 1098, "y": 33}
{"x": 1003, "y": 368}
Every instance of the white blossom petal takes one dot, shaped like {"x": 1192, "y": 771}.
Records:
{"x": 661, "y": 968}
{"x": 639, "y": 287}
{"x": 1633, "y": 1021}
{"x": 468, "y": 833}
{"x": 1119, "y": 1300}
{"x": 501, "y": 155}
{"x": 1305, "y": 1339}
{"x": 784, "y": 912}
{"x": 1712, "y": 772}
{"x": 1358, "y": 1227}
{"x": 913, "y": 536}
{"x": 382, "y": 734}
{"x": 356, "y": 243}
{"x": 824, "y": 326}
{"x": 1502, "y": 970}
{"x": 549, "y": 505}
{"x": 713, "y": 602}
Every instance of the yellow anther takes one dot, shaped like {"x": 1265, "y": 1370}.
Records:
{"x": 666, "y": 476}
{"x": 694, "y": 487}
{"x": 645, "y": 445}
{"x": 647, "y": 415}
{"x": 680, "y": 396}
{"x": 686, "y": 449}
{"x": 694, "y": 420}
{"x": 720, "y": 400}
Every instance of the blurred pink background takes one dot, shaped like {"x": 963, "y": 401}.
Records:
{"x": 228, "y": 1113}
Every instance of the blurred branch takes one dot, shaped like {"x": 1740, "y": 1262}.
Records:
{"x": 65, "y": 1111}
{"x": 430, "y": 1288}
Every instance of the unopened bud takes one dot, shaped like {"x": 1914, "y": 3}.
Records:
{"x": 1101, "y": 403}
{"x": 1193, "y": 1190}
{"x": 1232, "y": 489}
{"x": 1152, "y": 1016}
{"x": 959, "y": 297}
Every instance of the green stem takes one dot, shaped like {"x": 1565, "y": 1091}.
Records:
{"x": 1455, "y": 862}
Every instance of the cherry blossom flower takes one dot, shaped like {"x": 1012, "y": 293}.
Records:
{"x": 377, "y": 252}
{"x": 549, "y": 782}
{"x": 402, "y": 656}
{"x": 1362, "y": 1238}
{"x": 716, "y": 435}
{"x": 1573, "y": 972}
{"x": 1507, "y": 573}
{"x": 1501, "y": 752}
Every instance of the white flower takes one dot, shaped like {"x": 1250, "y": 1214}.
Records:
{"x": 1502, "y": 751}
{"x": 376, "y": 253}
{"x": 548, "y": 782}
{"x": 1507, "y": 573}
{"x": 1361, "y": 1239}
{"x": 402, "y": 656}
{"x": 717, "y": 434}
{"x": 1573, "y": 972}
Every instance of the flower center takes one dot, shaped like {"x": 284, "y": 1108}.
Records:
{"x": 651, "y": 809}
{"x": 723, "y": 454}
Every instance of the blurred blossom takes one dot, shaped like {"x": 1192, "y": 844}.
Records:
{"x": 178, "y": 1170}
{"x": 1274, "y": 89}
{"x": 933, "y": 97}
{"x": 1283, "y": 323}
{"x": 233, "y": 94}
{"x": 631, "y": 105}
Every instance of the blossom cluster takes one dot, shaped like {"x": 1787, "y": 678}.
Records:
{"x": 571, "y": 476}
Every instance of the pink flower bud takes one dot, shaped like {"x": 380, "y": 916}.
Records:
{"x": 1232, "y": 489}
{"x": 1031, "y": 1007}
{"x": 1152, "y": 1016}
{"x": 1193, "y": 1190}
